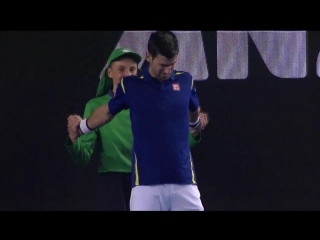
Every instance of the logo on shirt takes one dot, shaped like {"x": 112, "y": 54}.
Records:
{"x": 176, "y": 86}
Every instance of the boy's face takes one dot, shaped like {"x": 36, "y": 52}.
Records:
{"x": 122, "y": 68}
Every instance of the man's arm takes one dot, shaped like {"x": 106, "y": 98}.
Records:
{"x": 194, "y": 116}
{"x": 105, "y": 113}
{"x": 98, "y": 118}
{"x": 197, "y": 120}
{"x": 195, "y": 134}
{"x": 194, "y": 108}
{"x": 101, "y": 116}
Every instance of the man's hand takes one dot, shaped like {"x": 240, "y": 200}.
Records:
{"x": 204, "y": 120}
{"x": 73, "y": 127}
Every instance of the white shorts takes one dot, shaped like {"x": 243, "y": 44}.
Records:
{"x": 166, "y": 197}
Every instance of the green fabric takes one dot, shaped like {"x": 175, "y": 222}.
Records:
{"x": 193, "y": 141}
{"x": 114, "y": 141}
{"x": 105, "y": 85}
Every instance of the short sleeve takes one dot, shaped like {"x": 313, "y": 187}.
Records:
{"x": 119, "y": 101}
{"x": 194, "y": 101}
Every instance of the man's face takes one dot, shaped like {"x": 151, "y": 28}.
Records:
{"x": 161, "y": 67}
{"x": 122, "y": 68}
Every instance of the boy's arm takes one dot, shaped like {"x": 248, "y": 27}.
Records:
{"x": 194, "y": 139}
{"x": 82, "y": 149}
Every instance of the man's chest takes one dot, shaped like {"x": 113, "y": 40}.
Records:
{"x": 155, "y": 98}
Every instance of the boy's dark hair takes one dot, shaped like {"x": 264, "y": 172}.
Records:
{"x": 164, "y": 43}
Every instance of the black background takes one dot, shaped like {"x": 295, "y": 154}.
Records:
{"x": 259, "y": 152}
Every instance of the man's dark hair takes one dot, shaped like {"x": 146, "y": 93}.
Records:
{"x": 164, "y": 43}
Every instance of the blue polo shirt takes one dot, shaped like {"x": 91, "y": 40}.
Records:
{"x": 159, "y": 113}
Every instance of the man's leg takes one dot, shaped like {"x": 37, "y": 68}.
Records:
{"x": 148, "y": 198}
{"x": 186, "y": 198}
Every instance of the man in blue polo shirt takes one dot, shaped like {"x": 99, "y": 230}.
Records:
{"x": 163, "y": 102}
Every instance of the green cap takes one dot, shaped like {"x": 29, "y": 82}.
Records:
{"x": 123, "y": 51}
{"x": 106, "y": 83}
